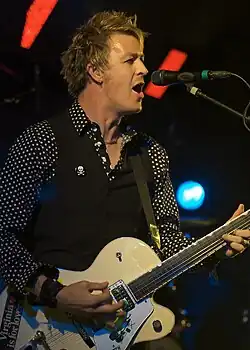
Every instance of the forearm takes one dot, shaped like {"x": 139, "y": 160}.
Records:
{"x": 21, "y": 180}
{"x": 17, "y": 267}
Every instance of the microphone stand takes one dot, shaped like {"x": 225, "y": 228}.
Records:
{"x": 198, "y": 93}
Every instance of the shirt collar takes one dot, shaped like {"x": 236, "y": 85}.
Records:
{"x": 78, "y": 117}
{"x": 82, "y": 122}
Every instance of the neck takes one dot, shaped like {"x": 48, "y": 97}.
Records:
{"x": 99, "y": 112}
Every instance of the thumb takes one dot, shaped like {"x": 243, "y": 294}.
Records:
{"x": 238, "y": 211}
{"x": 97, "y": 286}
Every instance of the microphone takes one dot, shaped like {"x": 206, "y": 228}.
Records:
{"x": 166, "y": 77}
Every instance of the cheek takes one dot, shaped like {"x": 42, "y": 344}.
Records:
{"x": 118, "y": 85}
{"x": 120, "y": 89}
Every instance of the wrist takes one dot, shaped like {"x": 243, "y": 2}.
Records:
{"x": 34, "y": 287}
{"x": 36, "y": 290}
{"x": 49, "y": 290}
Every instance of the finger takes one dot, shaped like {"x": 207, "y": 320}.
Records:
{"x": 108, "y": 308}
{"x": 102, "y": 298}
{"x": 97, "y": 286}
{"x": 120, "y": 313}
{"x": 106, "y": 291}
{"x": 109, "y": 297}
{"x": 238, "y": 247}
{"x": 242, "y": 233}
{"x": 238, "y": 211}
{"x": 104, "y": 320}
{"x": 110, "y": 324}
{"x": 229, "y": 252}
{"x": 233, "y": 238}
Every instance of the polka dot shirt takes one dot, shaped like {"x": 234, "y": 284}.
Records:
{"x": 31, "y": 162}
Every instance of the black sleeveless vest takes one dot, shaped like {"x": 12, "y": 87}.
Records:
{"x": 78, "y": 215}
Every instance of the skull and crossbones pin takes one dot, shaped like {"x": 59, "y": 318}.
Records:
{"x": 80, "y": 170}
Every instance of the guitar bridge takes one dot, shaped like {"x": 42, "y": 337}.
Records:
{"x": 38, "y": 339}
{"x": 120, "y": 291}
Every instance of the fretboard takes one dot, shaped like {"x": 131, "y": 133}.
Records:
{"x": 186, "y": 258}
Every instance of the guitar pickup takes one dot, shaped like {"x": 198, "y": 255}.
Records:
{"x": 120, "y": 291}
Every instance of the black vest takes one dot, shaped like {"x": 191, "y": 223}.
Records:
{"x": 78, "y": 215}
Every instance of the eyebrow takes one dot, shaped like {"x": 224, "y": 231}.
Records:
{"x": 134, "y": 54}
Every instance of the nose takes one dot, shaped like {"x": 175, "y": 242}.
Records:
{"x": 142, "y": 70}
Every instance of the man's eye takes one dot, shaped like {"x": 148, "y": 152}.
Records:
{"x": 131, "y": 60}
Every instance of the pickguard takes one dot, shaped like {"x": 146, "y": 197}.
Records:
{"x": 121, "y": 338}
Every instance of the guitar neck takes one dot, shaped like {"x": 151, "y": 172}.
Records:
{"x": 186, "y": 258}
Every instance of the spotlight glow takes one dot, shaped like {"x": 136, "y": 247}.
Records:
{"x": 190, "y": 195}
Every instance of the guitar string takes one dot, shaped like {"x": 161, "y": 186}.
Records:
{"x": 209, "y": 248}
{"x": 141, "y": 285}
{"x": 206, "y": 250}
{"x": 199, "y": 258}
{"x": 174, "y": 272}
{"x": 194, "y": 257}
{"x": 58, "y": 337}
{"x": 176, "y": 256}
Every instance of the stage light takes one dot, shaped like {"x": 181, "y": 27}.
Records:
{"x": 36, "y": 17}
{"x": 173, "y": 61}
{"x": 190, "y": 195}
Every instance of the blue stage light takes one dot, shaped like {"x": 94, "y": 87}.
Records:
{"x": 190, "y": 195}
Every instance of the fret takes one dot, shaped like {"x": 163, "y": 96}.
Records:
{"x": 186, "y": 258}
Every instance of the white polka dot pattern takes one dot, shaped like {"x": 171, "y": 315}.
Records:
{"x": 80, "y": 121}
{"x": 164, "y": 203}
{"x": 32, "y": 161}
{"x": 20, "y": 182}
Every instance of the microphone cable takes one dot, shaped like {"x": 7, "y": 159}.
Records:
{"x": 245, "y": 117}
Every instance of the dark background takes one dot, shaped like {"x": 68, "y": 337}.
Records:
{"x": 204, "y": 142}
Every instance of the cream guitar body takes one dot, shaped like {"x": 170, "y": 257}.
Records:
{"x": 123, "y": 260}
{"x": 134, "y": 273}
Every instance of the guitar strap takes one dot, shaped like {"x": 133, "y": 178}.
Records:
{"x": 139, "y": 173}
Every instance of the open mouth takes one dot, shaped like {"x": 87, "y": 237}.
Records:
{"x": 138, "y": 88}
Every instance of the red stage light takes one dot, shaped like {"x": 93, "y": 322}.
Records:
{"x": 36, "y": 17}
{"x": 173, "y": 61}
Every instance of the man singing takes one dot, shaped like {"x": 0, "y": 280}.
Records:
{"x": 67, "y": 187}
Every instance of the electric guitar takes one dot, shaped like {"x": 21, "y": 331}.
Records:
{"x": 134, "y": 272}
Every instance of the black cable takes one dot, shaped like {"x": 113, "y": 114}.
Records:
{"x": 245, "y": 117}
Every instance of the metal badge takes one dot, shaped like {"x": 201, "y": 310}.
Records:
{"x": 80, "y": 170}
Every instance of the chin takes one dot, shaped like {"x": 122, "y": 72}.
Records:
{"x": 134, "y": 110}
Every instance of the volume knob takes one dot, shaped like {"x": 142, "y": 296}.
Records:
{"x": 157, "y": 326}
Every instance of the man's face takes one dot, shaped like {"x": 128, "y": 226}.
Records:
{"x": 125, "y": 71}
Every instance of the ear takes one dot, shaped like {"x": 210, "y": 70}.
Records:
{"x": 95, "y": 74}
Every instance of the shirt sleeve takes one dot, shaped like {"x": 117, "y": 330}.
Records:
{"x": 164, "y": 204}
{"x": 20, "y": 183}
